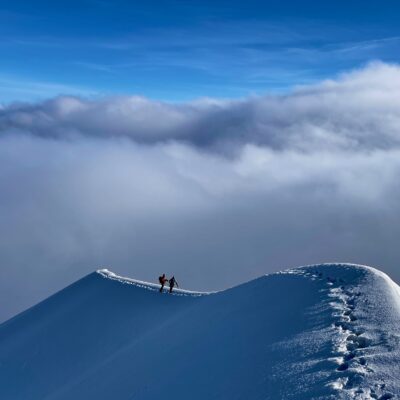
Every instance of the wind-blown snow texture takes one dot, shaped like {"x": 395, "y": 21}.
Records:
{"x": 318, "y": 332}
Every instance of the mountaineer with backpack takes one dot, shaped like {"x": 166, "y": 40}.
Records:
{"x": 163, "y": 280}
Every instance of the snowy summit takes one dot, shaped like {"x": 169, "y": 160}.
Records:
{"x": 327, "y": 331}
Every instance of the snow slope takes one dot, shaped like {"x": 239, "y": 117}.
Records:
{"x": 318, "y": 332}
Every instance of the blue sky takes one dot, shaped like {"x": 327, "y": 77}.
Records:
{"x": 180, "y": 50}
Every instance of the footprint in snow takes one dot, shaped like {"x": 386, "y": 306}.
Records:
{"x": 343, "y": 367}
{"x": 386, "y": 396}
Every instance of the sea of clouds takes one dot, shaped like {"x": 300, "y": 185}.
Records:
{"x": 213, "y": 191}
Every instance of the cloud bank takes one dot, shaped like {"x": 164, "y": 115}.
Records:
{"x": 214, "y": 191}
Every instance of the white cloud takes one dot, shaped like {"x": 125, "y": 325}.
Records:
{"x": 360, "y": 110}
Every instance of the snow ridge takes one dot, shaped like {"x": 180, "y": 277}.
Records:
{"x": 320, "y": 332}
{"x": 105, "y": 273}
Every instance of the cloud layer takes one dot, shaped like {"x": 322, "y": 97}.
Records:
{"x": 216, "y": 192}
{"x": 360, "y": 110}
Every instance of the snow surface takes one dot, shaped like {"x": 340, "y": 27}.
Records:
{"x": 327, "y": 331}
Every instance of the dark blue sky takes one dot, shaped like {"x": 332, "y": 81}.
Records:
{"x": 180, "y": 50}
